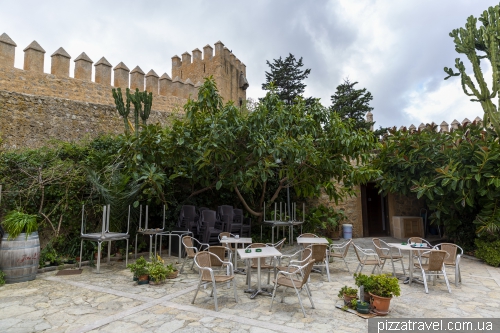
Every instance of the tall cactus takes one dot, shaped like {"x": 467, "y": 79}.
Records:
{"x": 148, "y": 101}
{"x": 485, "y": 40}
{"x": 123, "y": 109}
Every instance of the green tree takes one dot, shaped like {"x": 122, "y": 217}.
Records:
{"x": 478, "y": 43}
{"x": 218, "y": 148}
{"x": 286, "y": 77}
{"x": 351, "y": 103}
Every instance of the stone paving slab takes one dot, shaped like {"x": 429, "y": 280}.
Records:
{"x": 112, "y": 302}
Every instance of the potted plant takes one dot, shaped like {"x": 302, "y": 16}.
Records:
{"x": 385, "y": 287}
{"x": 348, "y": 294}
{"x": 139, "y": 268}
{"x": 367, "y": 282}
{"x": 362, "y": 307}
{"x": 173, "y": 272}
{"x": 20, "y": 247}
{"x": 157, "y": 270}
{"x": 327, "y": 220}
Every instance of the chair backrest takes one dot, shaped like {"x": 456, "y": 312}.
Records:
{"x": 319, "y": 252}
{"x": 346, "y": 247}
{"x": 278, "y": 245}
{"x": 436, "y": 260}
{"x": 307, "y": 235}
{"x": 413, "y": 240}
{"x": 452, "y": 250}
{"x": 187, "y": 241}
{"x": 306, "y": 271}
{"x": 306, "y": 253}
{"x": 219, "y": 251}
{"x": 237, "y": 216}
{"x": 204, "y": 259}
{"x": 224, "y": 233}
{"x": 377, "y": 244}
{"x": 357, "y": 249}
{"x": 208, "y": 218}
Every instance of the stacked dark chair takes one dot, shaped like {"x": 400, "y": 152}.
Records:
{"x": 210, "y": 227}
{"x": 237, "y": 221}
{"x": 188, "y": 219}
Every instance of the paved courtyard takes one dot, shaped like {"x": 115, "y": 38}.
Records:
{"x": 112, "y": 302}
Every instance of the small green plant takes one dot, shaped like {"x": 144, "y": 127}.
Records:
{"x": 354, "y": 303}
{"x": 171, "y": 267}
{"x": 348, "y": 291}
{"x": 17, "y": 222}
{"x": 2, "y": 278}
{"x": 157, "y": 270}
{"x": 362, "y": 303}
{"x": 49, "y": 254}
{"x": 345, "y": 308}
{"x": 364, "y": 280}
{"x": 139, "y": 267}
{"x": 488, "y": 251}
{"x": 385, "y": 285}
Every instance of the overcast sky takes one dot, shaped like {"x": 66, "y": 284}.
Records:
{"x": 395, "y": 49}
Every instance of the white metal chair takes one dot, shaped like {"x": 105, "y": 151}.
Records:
{"x": 340, "y": 251}
{"x": 364, "y": 256}
{"x": 290, "y": 280}
{"x": 147, "y": 231}
{"x": 292, "y": 261}
{"x": 453, "y": 259}
{"x": 104, "y": 236}
{"x": 192, "y": 247}
{"x": 434, "y": 267}
{"x": 204, "y": 261}
{"x": 385, "y": 252}
{"x": 319, "y": 253}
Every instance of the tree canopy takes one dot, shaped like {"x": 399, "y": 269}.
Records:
{"x": 351, "y": 103}
{"x": 286, "y": 78}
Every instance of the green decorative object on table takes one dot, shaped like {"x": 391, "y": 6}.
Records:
{"x": 258, "y": 250}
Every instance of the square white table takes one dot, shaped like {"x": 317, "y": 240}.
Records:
{"x": 266, "y": 252}
{"x": 408, "y": 247}
{"x": 311, "y": 240}
{"x": 236, "y": 241}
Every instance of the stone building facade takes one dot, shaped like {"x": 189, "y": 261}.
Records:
{"x": 36, "y": 106}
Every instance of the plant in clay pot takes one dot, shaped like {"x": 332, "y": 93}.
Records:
{"x": 157, "y": 270}
{"x": 367, "y": 282}
{"x": 173, "y": 272}
{"x": 384, "y": 289}
{"x": 139, "y": 268}
{"x": 348, "y": 294}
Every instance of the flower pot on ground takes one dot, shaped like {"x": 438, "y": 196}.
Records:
{"x": 138, "y": 268}
{"x": 19, "y": 247}
{"x": 348, "y": 294}
{"x": 363, "y": 307}
{"x": 368, "y": 283}
{"x": 157, "y": 270}
{"x": 384, "y": 289}
{"x": 173, "y": 272}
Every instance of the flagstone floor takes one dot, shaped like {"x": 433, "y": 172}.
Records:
{"x": 112, "y": 302}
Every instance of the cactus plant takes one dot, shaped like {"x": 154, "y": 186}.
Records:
{"x": 140, "y": 110}
{"x": 148, "y": 101}
{"x": 479, "y": 43}
{"x": 123, "y": 109}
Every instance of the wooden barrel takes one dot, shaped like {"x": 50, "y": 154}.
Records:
{"x": 19, "y": 257}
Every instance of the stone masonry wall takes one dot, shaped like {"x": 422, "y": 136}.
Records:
{"x": 30, "y": 121}
{"x": 352, "y": 208}
{"x": 404, "y": 205}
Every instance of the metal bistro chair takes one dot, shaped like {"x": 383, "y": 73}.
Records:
{"x": 289, "y": 280}
{"x": 453, "y": 259}
{"x": 307, "y": 235}
{"x": 295, "y": 260}
{"x": 104, "y": 236}
{"x": 319, "y": 253}
{"x": 386, "y": 252}
{"x": 363, "y": 256}
{"x": 434, "y": 267}
{"x": 146, "y": 231}
{"x": 203, "y": 261}
{"x": 340, "y": 251}
{"x": 192, "y": 247}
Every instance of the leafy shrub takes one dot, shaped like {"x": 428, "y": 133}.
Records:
{"x": 2, "y": 278}
{"x": 17, "y": 222}
{"x": 488, "y": 251}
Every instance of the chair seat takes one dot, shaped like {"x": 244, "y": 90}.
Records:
{"x": 262, "y": 266}
{"x": 336, "y": 255}
{"x": 394, "y": 256}
{"x": 288, "y": 282}
{"x": 370, "y": 262}
{"x": 219, "y": 278}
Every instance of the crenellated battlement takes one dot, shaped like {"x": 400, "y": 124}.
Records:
{"x": 91, "y": 83}
{"x": 228, "y": 71}
{"x": 444, "y": 126}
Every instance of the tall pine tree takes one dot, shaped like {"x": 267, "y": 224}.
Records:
{"x": 351, "y": 103}
{"x": 287, "y": 78}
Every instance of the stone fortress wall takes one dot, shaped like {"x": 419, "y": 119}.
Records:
{"x": 36, "y": 107}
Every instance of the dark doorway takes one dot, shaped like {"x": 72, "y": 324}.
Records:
{"x": 374, "y": 211}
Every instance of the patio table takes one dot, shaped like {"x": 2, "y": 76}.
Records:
{"x": 236, "y": 241}
{"x": 176, "y": 233}
{"x": 266, "y": 252}
{"x": 408, "y": 247}
{"x": 312, "y": 240}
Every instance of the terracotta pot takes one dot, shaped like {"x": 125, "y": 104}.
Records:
{"x": 380, "y": 305}
{"x": 347, "y": 299}
{"x": 143, "y": 279}
{"x": 173, "y": 275}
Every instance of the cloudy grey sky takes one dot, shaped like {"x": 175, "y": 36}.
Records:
{"x": 395, "y": 49}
